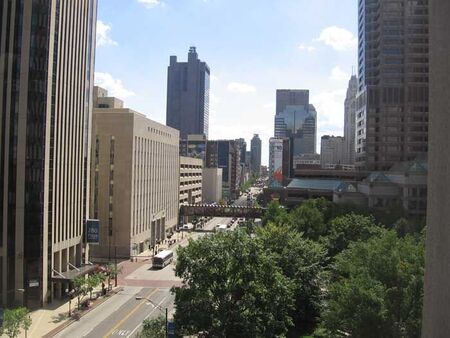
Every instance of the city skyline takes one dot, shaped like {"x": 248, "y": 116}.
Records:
{"x": 245, "y": 73}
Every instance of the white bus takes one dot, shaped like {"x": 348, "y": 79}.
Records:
{"x": 162, "y": 259}
{"x": 221, "y": 227}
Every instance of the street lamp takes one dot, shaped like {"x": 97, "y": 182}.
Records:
{"x": 70, "y": 294}
{"x": 156, "y": 306}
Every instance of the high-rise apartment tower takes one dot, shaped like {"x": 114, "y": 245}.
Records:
{"x": 392, "y": 103}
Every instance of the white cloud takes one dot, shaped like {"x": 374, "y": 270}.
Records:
{"x": 337, "y": 74}
{"x": 103, "y": 38}
{"x": 150, "y": 3}
{"x": 239, "y": 87}
{"x": 330, "y": 108}
{"x": 338, "y": 38}
{"x": 114, "y": 86}
{"x": 305, "y": 47}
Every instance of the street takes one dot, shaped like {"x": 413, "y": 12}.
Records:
{"x": 123, "y": 314}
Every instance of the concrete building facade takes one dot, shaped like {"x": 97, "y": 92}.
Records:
{"x": 392, "y": 102}
{"x": 255, "y": 153}
{"x": 188, "y": 95}
{"x": 135, "y": 181}
{"x": 332, "y": 150}
{"x": 350, "y": 121}
{"x": 437, "y": 272}
{"x": 212, "y": 185}
{"x": 47, "y": 64}
{"x": 190, "y": 180}
{"x": 225, "y": 154}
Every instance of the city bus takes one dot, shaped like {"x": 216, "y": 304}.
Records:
{"x": 162, "y": 259}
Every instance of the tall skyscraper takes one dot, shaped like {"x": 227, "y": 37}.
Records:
{"x": 297, "y": 121}
{"x": 255, "y": 150}
{"x": 392, "y": 103}
{"x": 188, "y": 95}
{"x": 291, "y": 97}
{"x": 350, "y": 121}
{"x": 47, "y": 66}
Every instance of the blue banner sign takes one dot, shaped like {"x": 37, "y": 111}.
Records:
{"x": 93, "y": 231}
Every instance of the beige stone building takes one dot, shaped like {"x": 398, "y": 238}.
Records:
{"x": 135, "y": 177}
{"x": 190, "y": 180}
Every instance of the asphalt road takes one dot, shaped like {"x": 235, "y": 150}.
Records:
{"x": 123, "y": 314}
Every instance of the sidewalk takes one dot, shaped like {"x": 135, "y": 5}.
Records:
{"x": 49, "y": 321}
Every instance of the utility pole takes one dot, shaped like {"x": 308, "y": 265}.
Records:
{"x": 115, "y": 265}
{"x": 167, "y": 332}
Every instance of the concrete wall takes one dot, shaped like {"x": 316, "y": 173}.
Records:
{"x": 212, "y": 185}
{"x": 436, "y": 310}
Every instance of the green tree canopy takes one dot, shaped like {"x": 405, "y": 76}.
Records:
{"x": 377, "y": 289}
{"x": 231, "y": 288}
{"x": 275, "y": 213}
{"x": 15, "y": 320}
{"x": 302, "y": 261}
{"x": 308, "y": 218}
{"x": 154, "y": 328}
{"x": 350, "y": 228}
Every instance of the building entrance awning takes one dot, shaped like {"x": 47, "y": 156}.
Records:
{"x": 68, "y": 276}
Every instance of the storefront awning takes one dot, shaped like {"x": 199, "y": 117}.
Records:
{"x": 70, "y": 275}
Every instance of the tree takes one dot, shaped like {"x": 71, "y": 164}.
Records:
{"x": 231, "y": 288}
{"x": 93, "y": 281}
{"x": 350, "y": 228}
{"x": 301, "y": 260}
{"x": 154, "y": 328}
{"x": 80, "y": 288}
{"x": 14, "y": 321}
{"x": 309, "y": 219}
{"x": 113, "y": 272}
{"x": 275, "y": 213}
{"x": 377, "y": 289}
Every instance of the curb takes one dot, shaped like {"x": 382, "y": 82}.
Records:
{"x": 73, "y": 319}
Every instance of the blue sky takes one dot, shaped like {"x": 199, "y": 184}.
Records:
{"x": 252, "y": 47}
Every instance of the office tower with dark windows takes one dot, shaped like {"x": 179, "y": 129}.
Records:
{"x": 350, "y": 121}
{"x": 46, "y": 62}
{"x": 255, "y": 151}
{"x": 296, "y": 120}
{"x": 392, "y": 102}
{"x": 188, "y": 95}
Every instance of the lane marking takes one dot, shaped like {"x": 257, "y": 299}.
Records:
{"x": 146, "y": 317}
{"x": 141, "y": 302}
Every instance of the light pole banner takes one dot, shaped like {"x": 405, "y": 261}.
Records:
{"x": 92, "y": 231}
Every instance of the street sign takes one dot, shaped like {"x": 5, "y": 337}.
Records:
{"x": 93, "y": 231}
{"x": 33, "y": 283}
{"x": 171, "y": 329}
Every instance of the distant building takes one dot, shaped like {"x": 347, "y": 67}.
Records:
{"x": 225, "y": 154}
{"x": 331, "y": 150}
{"x": 404, "y": 186}
{"x": 190, "y": 180}
{"x": 212, "y": 185}
{"x": 256, "y": 155}
{"x": 306, "y": 161}
{"x": 194, "y": 146}
{"x": 392, "y": 103}
{"x": 350, "y": 121}
{"x": 291, "y": 97}
{"x": 279, "y": 161}
{"x": 188, "y": 95}
{"x": 135, "y": 180}
{"x": 296, "y": 121}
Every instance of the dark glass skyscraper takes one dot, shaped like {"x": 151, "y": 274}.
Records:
{"x": 392, "y": 102}
{"x": 46, "y": 62}
{"x": 188, "y": 95}
{"x": 255, "y": 149}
